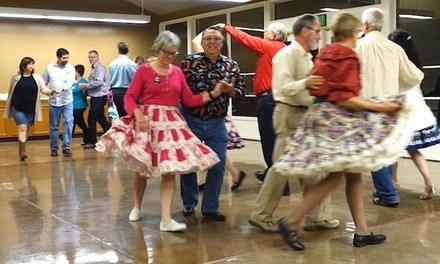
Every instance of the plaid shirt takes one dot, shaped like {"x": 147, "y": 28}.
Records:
{"x": 201, "y": 75}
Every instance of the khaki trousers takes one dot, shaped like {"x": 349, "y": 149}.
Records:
{"x": 285, "y": 120}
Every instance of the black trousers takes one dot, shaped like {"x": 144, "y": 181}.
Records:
{"x": 96, "y": 115}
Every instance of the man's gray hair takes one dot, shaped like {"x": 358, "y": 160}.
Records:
{"x": 306, "y": 20}
{"x": 374, "y": 18}
{"x": 164, "y": 40}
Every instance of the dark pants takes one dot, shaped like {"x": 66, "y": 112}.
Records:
{"x": 118, "y": 99}
{"x": 96, "y": 114}
{"x": 265, "y": 107}
{"x": 78, "y": 119}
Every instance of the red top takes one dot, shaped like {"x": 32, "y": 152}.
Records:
{"x": 265, "y": 50}
{"x": 149, "y": 87}
{"x": 340, "y": 67}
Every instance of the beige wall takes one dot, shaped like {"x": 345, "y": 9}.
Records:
{"x": 40, "y": 40}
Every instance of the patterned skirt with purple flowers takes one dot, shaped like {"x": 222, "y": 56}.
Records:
{"x": 332, "y": 138}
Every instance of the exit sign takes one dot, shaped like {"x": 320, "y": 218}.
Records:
{"x": 322, "y": 20}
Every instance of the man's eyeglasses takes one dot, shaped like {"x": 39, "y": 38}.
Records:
{"x": 169, "y": 53}
{"x": 316, "y": 30}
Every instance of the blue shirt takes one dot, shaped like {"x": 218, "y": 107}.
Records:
{"x": 79, "y": 97}
{"x": 58, "y": 77}
{"x": 97, "y": 86}
{"x": 122, "y": 70}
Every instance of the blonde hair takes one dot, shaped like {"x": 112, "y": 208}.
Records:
{"x": 343, "y": 26}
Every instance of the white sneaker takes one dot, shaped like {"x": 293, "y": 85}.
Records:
{"x": 135, "y": 215}
{"x": 172, "y": 226}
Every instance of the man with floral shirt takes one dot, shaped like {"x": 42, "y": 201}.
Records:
{"x": 203, "y": 70}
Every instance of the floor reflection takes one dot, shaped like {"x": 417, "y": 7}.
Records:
{"x": 75, "y": 210}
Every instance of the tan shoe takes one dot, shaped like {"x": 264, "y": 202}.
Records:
{"x": 322, "y": 225}
{"x": 267, "y": 225}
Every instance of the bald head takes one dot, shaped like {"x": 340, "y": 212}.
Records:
{"x": 278, "y": 30}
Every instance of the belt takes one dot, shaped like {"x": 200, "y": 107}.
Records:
{"x": 303, "y": 107}
{"x": 265, "y": 93}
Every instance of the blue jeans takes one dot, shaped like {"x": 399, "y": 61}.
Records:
{"x": 265, "y": 107}
{"x": 384, "y": 185}
{"x": 55, "y": 113}
{"x": 213, "y": 133}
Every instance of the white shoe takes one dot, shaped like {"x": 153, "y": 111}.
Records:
{"x": 135, "y": 215}
{"x": 172, "y": 226}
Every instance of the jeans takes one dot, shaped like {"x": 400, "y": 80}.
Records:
{"x": 265, "y": 108}
{"x": 96, "y": 114}
{"x": 211, "y": 132}
{"x": 384, "y": 185}
{"x": 55, "y": 113}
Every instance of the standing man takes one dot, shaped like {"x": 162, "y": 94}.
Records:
{"x": 291, "y": 66}
{"x": 97, "y": 90}
{"x": 265, "y": 48}
{"x": 384, "y": 68}
{"x": 60, "y": 77}
{"x": 121, "y": 70}
{"x": 203, "y": 71}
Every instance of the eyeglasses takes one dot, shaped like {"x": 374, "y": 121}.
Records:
{"x": 316, "y": 30}
{"x": 212, "y": 38}
{"x": 169, "y": 53}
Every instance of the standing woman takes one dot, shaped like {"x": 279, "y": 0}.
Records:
{"x": 79, "y": 102}
{"x": 426, "y": 132}
{"x": 153, "y": 139}
{"x": 23, "y": 101}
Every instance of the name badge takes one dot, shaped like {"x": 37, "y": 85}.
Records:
{"x": 156, "y": 80}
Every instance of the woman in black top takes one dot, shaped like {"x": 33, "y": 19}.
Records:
{"x": 23, "y": 101}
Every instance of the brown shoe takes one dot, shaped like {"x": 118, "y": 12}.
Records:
{"x": 54, "y": 152}
{"x": 67, "y": 153}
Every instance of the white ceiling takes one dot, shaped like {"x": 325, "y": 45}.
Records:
{"x": 165, "y": 7}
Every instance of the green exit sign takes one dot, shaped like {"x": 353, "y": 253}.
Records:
{"x": 322, "y": 20}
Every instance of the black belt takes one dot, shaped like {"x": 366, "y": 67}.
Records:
{"x": 303, "y": 107}
{"x": 265, "y": 93}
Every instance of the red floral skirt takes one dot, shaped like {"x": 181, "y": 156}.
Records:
{"x": 167, "y": 147}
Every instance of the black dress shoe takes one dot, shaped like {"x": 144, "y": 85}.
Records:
{"x": 188, "y": 211}
{"x": 289, "y": 236}
{"x": 361, "y": 241}
{"x": 286, "y": 191}
{"x": 240, "y": 180}
{"x": 260, "y": 175}
{"x": 215, "y": 216}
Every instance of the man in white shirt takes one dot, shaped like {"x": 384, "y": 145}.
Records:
{"x": 60, "y": 76}
{"x": 385, "y": 70}
{"x": 291, "y": 66}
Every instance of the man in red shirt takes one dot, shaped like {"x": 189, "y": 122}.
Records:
{"x": 265, "y": 48}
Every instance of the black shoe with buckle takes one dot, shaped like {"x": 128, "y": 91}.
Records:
{"x": 289, "y": 237}
{"x": 372, "y": 239}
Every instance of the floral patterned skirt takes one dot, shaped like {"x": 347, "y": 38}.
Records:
{"x": 332, "y": 138}
{"x": 167, "y": 147}
{"x": 234, "y": 140}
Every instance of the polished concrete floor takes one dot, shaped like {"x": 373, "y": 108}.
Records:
{"x": 75, "y": 210}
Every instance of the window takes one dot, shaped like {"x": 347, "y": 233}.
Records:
{"x": 180, "y": 29}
